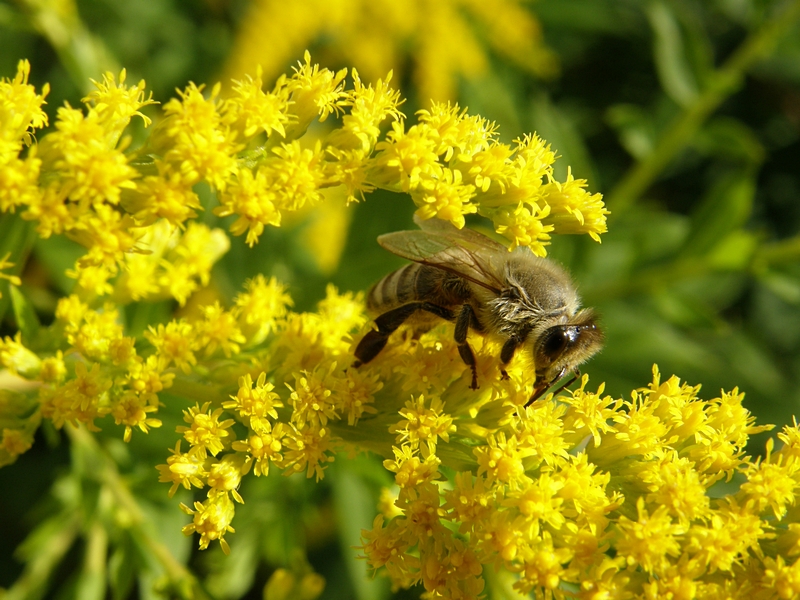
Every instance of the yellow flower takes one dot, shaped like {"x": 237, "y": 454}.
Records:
{"x": 206, "y": 434}
{"x": 370, "y": 106}
{"x": 165, "y": 196}
{"x": 405, "y": 158}
{"x": 116, "y": 104}
{"x": 131, "y": 410}
{"x": 79, "y": 400}
{"x": 20, "y": 112}
{"x": 186, "y": 469}
{"x": 295, "y": 175}
{"x": 501, "y": 460}
{"x": 541, "y": 433}
{"x": 122, "y": 351}
{"x": 355, "y": 394}
{"x": 648, "y": 541}
{"x": 255, "y": 403}
{"x": 409, "y": 470}
{"x": 19, "y": 181}
{"x": 90, "y": 168}
{"x": 726, "y": 539}
{"x": 349, "y": 169}
{"x": 212, "y": 520}
{"x": 311, "y": 398}
{"x": 14, "y": 442}
{"x": 15, "y": 357}
{"x": 422, "y": 427}
{"x": 175, "y": 344}
{"x": 307, "y": 449}
{"x": 194, "y": 140}
{"x": 445, "y": 198}
{"x": 188, "y": 263}
{"x": 53, "y": 368}
{"x": 225, "y": 475}
{"x": 589, "y": 411}
{"x": 579, "y": 494}
{"x": 147, "y": 378}
{"x": 263, "y": 447}
{"x": 219, "y": 329}
{"x": 524, "y": 226}
{"x": 261, "y": 307}
{"x": 252, "y": 199}
{"x": 771, "y": 482}
{"x": 315, "y": 93}
{"x": 384, "y": 547}
{"x": 781, "y": 577}
{"x": 470, "y": 502}
{"x": 539, "y": 502}
{"x": 543, "y": 565}
{"x": 252, "y": 111}
{"x": 573, "y": 209}
{"x": 674, "y": 483}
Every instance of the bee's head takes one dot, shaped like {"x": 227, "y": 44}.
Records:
{"x": 562, "y": 347}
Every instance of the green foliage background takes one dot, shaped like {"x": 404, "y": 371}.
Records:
{"x": 694, "y": 142}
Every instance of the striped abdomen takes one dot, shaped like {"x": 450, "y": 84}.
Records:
{"x": 417, "y": 282}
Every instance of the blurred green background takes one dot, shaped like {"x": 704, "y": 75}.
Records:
{"x": 685, "y": 114}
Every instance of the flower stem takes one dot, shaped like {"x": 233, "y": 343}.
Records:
{"x": 721, "y": 84}
{"x": 184, "y": 582}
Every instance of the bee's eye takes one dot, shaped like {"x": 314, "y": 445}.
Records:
{"x": 555, "y": 342}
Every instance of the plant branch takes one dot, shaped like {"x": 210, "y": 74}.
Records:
{"x": 183, "y": 579}
{"x": 724, "y": 82}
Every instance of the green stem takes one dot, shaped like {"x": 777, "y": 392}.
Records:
{"x": 787, "y": 250}
{"x": 182, "y": 579}
{"x": 17, "y": 238}
{"x": 725, "y": 81}
{"x": 34, "y": 581}
{"x": 784, "y": 251}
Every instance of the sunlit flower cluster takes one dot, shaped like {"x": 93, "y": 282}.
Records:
{"x": 582, "y": 495}
{"x": 255, "y": 152}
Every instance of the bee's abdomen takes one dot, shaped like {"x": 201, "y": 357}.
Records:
{"x": 417, "y": 282}
{"x": 397, "y": 288}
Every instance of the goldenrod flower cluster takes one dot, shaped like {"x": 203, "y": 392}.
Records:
{"x": 582, "y": 495}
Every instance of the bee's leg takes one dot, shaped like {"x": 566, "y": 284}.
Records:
{"x": 509, "y": 348}
{"x": 465, "y": 319}
{"x": 374, "y": 341}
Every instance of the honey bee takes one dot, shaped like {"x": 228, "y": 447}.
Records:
{"x": 463, "y": 276}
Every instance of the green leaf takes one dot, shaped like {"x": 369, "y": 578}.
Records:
{"x": 677, "y": 79}
{"x": 58, "y": 254}
{"x": 725, "y": 208}
{"x": 122, "y": 567}
{"x": 732, "y": 139}
{"x": 734, "y": 251}
{"x": 634, "y": 128}
{"x": 24, "y": 315}
{"x": 16, "y": 239}
{"x": 356, "y": 505}
{"x": 783, "y": 286}
{"x": 91, "y": 581}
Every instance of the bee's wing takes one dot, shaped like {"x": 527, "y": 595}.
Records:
{"x": 464, "y": 252}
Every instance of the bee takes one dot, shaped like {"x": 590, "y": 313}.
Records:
{"x": 462, "y": 276}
